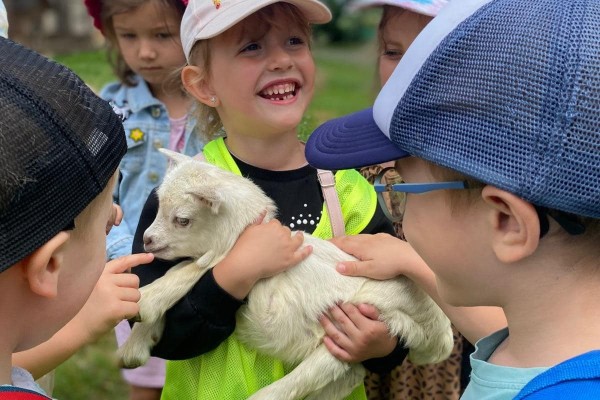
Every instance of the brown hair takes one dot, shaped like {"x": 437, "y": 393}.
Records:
{"x": 458, "y": 199}
{"x": 112, "y": 7}
{"x": 386, "y": 15}
{"x": 207, "y": 117}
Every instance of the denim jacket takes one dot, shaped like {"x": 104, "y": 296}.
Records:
{"x": 143, "y": 168}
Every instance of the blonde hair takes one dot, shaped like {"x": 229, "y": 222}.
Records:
{"x": 207, "y": 117}
{"x": 116, "y": 60}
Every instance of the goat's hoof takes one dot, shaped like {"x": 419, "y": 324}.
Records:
{"x": 130, "y": 357}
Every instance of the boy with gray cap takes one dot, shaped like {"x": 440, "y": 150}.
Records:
{"x": 492, "y": 116}
{"x": 60, "y": 146}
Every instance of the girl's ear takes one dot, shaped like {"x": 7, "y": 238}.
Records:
{"x": 515, "y": 225}
{"x": 42, "y": 267}
{"x": 196, "y": 84}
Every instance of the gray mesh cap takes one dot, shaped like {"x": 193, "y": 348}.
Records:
{"x": 504, "y": 91}
{"x": 59, "y": 146}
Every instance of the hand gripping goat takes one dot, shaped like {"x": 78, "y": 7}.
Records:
{"x": 202, "y": 211}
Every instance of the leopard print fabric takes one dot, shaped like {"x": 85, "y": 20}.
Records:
{"x": 441, "y": 381}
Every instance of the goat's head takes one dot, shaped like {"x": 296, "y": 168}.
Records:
{"x": 202, "y": 207}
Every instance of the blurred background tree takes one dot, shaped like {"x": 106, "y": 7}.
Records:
{"x": 346, "y": 26}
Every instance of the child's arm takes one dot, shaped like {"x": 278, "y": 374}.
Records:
{"x": 113, "y": 299}
{"x": 384, "y": 256}
{"x": 356, "y": 334}
{"x": 208, "y": 310}
{"x": 263, "y": 250}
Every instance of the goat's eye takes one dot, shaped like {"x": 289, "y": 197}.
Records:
{"x": 182, "y": 221}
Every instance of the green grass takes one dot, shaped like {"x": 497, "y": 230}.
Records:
{"x": 91, "y": 374}
{"x": 345, "y": 83}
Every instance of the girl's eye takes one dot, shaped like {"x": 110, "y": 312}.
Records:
{"x": 163, "y": 35}
{"x": 182, "y": 221}
{"x": 126, "y": 35}
{"x": 296, "y": 41}
{"x": 394, "y": 54}
{"x": 251, "y": 47}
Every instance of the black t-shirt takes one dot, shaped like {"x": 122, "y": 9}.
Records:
{"x": 205, "y": 316}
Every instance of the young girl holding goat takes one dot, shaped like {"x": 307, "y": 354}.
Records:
{"x": 252, "y": 72}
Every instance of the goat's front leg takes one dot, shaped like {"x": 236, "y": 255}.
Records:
{"x": 167, "y": 290}
{"x": 314, "y": 374}
{"x": 135, "y": 352}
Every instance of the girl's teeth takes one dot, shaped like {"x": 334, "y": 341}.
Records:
{"x": 287, "y": 90}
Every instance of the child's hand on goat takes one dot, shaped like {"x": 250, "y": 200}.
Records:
{"x": 355, "y": 334}
{"x": 113, "y": 299}
{"x": 381, "y": 256}
{"x": 261, "y": 251}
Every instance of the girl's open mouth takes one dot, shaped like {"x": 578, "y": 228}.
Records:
{"x": 279, "y": 92}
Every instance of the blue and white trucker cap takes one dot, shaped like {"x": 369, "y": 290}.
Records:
{"x": 504, "y": 91}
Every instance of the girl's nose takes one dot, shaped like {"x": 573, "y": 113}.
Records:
{"x": 280, "y": 59}
{"x": 146, "y": 50}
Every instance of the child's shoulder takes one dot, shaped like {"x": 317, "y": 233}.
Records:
{"x": 576, "y": 378}
{"x": 354, "y": 180}
{"x": 113, "y": 91}
{"x": 118, "y": 91}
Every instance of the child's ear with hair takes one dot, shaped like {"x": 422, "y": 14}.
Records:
{"x": 42, "y": 267}
{"x": 514, "y": 223}
{"x": 196, "y": 84}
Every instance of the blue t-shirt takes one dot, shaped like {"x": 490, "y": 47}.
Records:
{"x": 495, "y": 382}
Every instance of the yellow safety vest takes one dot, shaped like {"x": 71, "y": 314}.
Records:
{"x": 232, "y": 371}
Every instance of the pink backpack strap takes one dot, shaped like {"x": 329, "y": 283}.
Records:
{"x": 332, "y": 202}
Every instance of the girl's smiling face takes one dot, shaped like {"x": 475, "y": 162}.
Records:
{"x": 262, "y": 74}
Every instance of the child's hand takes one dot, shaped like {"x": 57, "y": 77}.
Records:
{"x": 275, "y": 248}
{"x": 381, "y": 256}
{"x": 356, "y": 334}
{"x": 114, "y": 297}
{"x": 261, "y": 251}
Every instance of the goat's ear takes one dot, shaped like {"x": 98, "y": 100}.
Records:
{"x": 208, "y": 198}
{"x": 175, "y": 157}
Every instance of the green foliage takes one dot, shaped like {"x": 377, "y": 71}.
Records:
{"x": 345, "y": 26}
{"x": 345, "y": 83}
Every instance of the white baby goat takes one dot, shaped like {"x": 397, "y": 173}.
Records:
{"x": 202, "y": 211}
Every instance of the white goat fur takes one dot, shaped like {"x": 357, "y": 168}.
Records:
{"x": 281, "y": 316}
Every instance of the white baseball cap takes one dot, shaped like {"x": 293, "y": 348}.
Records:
{"x": 425, "y": 7}
{"x": 204, "y": 19}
